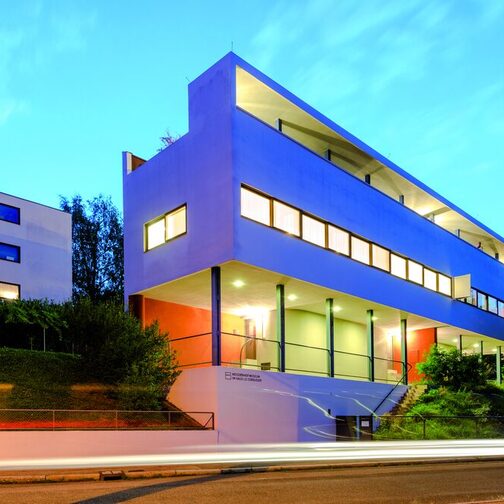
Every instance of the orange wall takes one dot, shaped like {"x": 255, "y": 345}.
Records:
{"x": 419, "y": 344}
{"x": 180, "y": 321}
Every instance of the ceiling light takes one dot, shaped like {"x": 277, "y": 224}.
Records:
{"x": 494, "y": 349}
{"x": 337, "y": 309}
{"x": 292, "y": 297}
{"x": 374, "y": 318}
{"x": 238, "y": 283}
{"x": 476, "y": 345}
{"x": 455, "y": 340}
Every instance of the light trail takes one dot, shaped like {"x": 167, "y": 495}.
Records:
{"x": 271, "y": 454}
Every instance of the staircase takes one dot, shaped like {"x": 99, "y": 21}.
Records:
{"x": 411, "y": 397}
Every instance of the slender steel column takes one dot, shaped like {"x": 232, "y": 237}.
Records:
{"x": 370, "y": 341}
{"x": 435, "y": 337}
{"x": 404, "y": 349}
{"x": 216, "y": 316}
{"x": 460, "y": 343}
{"x": 481, "y": 350}
{"x": 280, "y": 323}
{"x": 330, "y": 334}
{"x": 498, "y": 365}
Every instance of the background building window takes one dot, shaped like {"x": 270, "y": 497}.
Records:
{"x": 10, "y": 252}
{"x": 398, "y": 266}
{"x": 9, "y": 291}
{"x": 360, "y": 250}
{"x": 313, "y": 231}
{"x": 445, "y": 286}
{"x": 255, "y": 207}
{"x": 415, "y": 272}
{"x": 286, "y": 218}
{"x": 9, "y": 213}
{"x": 381, "y": 257}
{"x": 430, "y": 279}
{"x": 339, "y": 240}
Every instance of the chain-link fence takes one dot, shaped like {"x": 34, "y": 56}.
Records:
{"x": 41, "y": 419}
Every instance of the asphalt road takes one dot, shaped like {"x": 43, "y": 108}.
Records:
{"x": 412, "y": 484}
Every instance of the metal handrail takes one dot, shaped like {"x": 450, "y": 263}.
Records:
{"x": 409, "y": 367}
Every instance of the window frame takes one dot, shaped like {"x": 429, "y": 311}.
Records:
{"x": 15, "y": 285}
{"x": 163, "y": 218}
{"x": 18, "y": 253}
{"x": 18, "y": 222}
{"x": 262, "y": 195}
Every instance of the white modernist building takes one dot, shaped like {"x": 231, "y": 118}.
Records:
{"x": 35, "y": 250}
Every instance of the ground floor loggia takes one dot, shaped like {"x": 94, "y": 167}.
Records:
{"x": 244, "y": 317}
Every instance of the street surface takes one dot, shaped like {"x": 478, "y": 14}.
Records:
{"x": 412, "y": 484}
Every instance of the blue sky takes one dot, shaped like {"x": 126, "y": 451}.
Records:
{"x": 421, "y": 81}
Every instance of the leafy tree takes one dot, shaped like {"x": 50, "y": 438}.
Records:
{"x": 97, "y": 248}
{"x": 33, "y": 312}
{"x": 453, "y": 370}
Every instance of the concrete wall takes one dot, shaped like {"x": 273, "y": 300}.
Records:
{"x": 45, "y": 238}
{"x": 47, "y": 444}
{"x": 260, "y": 406}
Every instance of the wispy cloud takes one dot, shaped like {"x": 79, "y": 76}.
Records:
{"x": 31, "y": 37}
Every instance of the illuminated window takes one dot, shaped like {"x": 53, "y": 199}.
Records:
{"x": 381, "y": 257}
{"x": 360, "y": 250}
{"x": 313, "y": 231}
{"x": 339, "y": 240}
{"x": 492, "y": 304}
{"x": 444, "y": 284}
{"x": 9, "y": 291}
{"x": 175, "y": 223}
{"x": 415, "y": 272}
{"x": 430, "y": 279}
{"x": 500, "y": 306}
{"x": 255, "y": 207}
{"x": 10, "y": 253}
{"x": 155, "y": 233}
{"x": 9, "y": 213}
{"x": 482, "y": 301}
{"x": 165, "y": 228}
{"x": 398, "y": 266}
{"x": 286, "y": 218}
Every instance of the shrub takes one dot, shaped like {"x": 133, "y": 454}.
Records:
{"x": 453, "y": 370}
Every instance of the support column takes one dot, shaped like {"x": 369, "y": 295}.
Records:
{"x": 330, "y": 334}
{"x": 435, "y": 337}
{"x": 280, "y": 323}
{"x": 498, "y": 365}
{"x": 460, "y": 343}
{"x": 404, "y": 349}
{"x": 370, "y": 342}
{"x": 216, "y": 316}
{"x": 481, "y": 350}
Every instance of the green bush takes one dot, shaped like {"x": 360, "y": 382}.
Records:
{"x": 453, "y": 370}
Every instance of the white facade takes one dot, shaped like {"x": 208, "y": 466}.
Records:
{"x": 40, "y": 238}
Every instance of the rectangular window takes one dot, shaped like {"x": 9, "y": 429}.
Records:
{"x": 155, "y": 233}
{"x": 482, "y": 301}
{"x": 381, "y": 257}
{"x": 500, "y": 306}
{"x": 430, "y": 279}
{"x": 286, "y": 218}
{"x": 255, "y": 207}
{"x": 339, "y": 240}
{"x": 10, "y": 252}
{"x": 313, "y": 231}
{"x": 166, "y": 228}
{"x": 360, "y": 250}
{"x": 175, "y": 223}
{"x": 415, "y": 272}
{"x": 398, "y": 266}
{"x": 9, "y": 213}
{"x": 473, "y": 298}
{"x": 9, "y": 291}
{"x": 492, "y": 304}
{"x": 444, "y": 284}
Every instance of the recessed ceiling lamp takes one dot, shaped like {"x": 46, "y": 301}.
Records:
{"x": 337, "y": 309}
{"x": 238, "y": 283}
{"x": 292, "y": 297}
